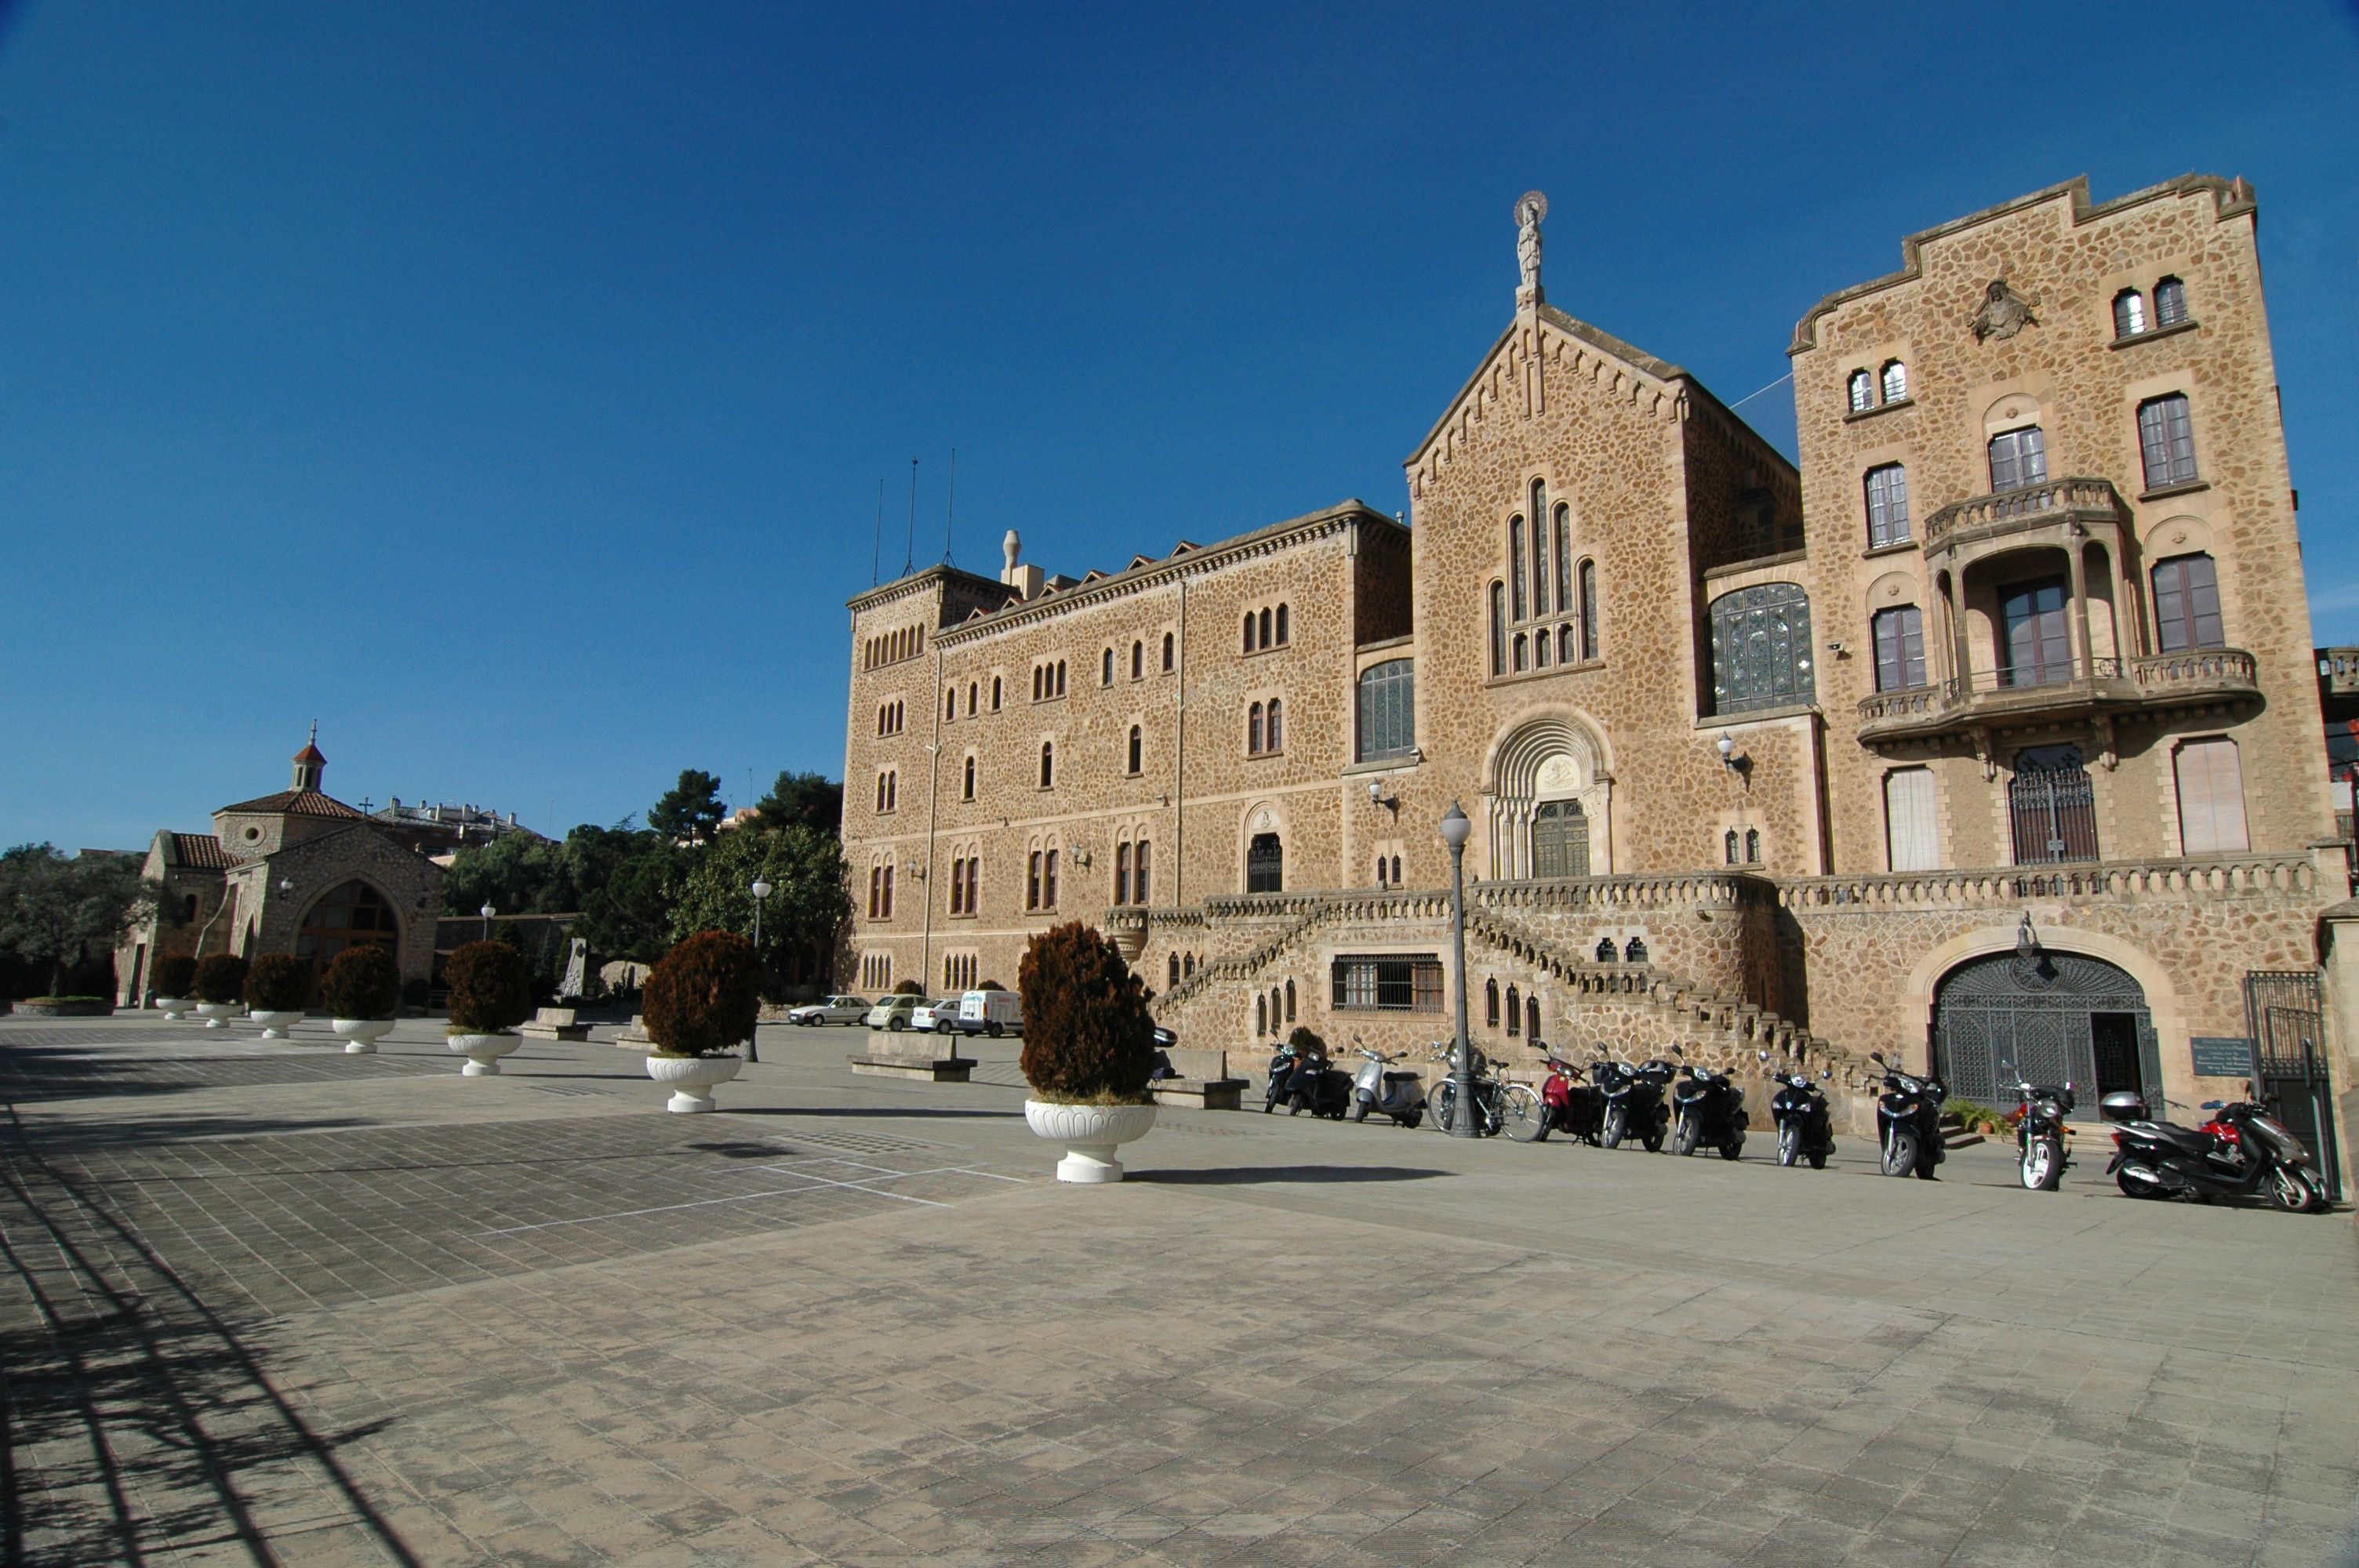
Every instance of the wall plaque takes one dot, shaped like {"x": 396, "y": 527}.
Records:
{"x": 2223, "y": 1056}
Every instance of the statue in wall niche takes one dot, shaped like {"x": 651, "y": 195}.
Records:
{"x": 2003, "y": 313}
{"x": 1530, "y": 208}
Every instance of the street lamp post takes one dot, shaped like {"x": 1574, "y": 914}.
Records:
{"x": 1454, "y": 830}
{"x": 761, "y": 891}
{"x": 487, "y": 912}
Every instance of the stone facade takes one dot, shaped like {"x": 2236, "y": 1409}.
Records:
{"x": 1661, "y": 669}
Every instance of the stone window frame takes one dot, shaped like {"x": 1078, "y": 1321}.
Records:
{"x": 1139, "y": 658}
{"x": 1268, "y": 628}
{"x": 1265, "y": 722}
{"x": 1045, "y": 776}
{"x": 2172, "y": 481}
{"x": 959, "y": 968}
{"x": 965, "y": 878}
{"x": 1896, "y": 532}
{"x": 995, "y": 679}
{"x": 1134, "y": 873}
{"x": 1170, "y": 652}
{"x": 1048, "y": 680}
{"x": 1135, "y": 751}
{"x": 880, "y": 887}
{"x": 1105, "y": 666}
{"x": 1871, "y": 373}
{"x": 889, "y": 791}
{"x": 1042, "y": 853}
{"x": 891, "y": 716}
{"x": 967, "y": 782}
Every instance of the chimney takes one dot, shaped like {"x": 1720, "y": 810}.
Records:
{"x": 1025, "y": 580}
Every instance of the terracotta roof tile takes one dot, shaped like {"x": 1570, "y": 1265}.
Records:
{"x": 201, "y": 850}
{"x": 297, "y": 803}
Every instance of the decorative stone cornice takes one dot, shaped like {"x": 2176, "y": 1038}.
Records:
{"x": 919, "y": 582}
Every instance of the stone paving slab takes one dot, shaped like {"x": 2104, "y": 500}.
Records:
{"x": 403, "y": 1317}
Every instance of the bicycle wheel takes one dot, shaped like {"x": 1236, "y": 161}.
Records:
{"x": 1441, "y": 1103}
{"x": 1524, "y": 1113}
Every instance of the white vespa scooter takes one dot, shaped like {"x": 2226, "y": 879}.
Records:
{"x": 1399, "y": 1095}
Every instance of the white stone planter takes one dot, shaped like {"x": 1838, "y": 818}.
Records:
{"x": 174, "y": 1008}
{"x": 483, "y": 1051}
{"x": 1091, "y": 1134}
{"x": 276, "y": 1024}
{"x": 360, "y": 1035}
{"x": 691, "y": 1079}
{"x": 217, "y": 1014}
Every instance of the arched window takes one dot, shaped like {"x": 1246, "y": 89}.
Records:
{"x": 1263, "y": 633}
{"x": 1397, "y": 871}
{"x": 1167, "y": 652}
{"x": 994, "y": 694}
{"x": 1634, "y": 950}
{"x": 1048, "y": 878}
{"x": 2019, "y": 458}
{"x": 1264, "y": 864}
{"x": 2186, "y": 603}
{"x": 1187, "y": 965}
{"x": 1900, "y": 648}
{"x": 1563, "y": 541}
{"x": 351, "y": 915}
{"x": 950, "y": 704}
{"x": 1894, "y": 381}
{"x": 2129, "y": 313}
{"x": 1381, "y": 879}
{"x": 189, "y": 908}
{"x": 1514, "y": 1013}
{"x": 1752, "y": 847}
{"x": 1060, "y": 677}
{"x": 1047, "y": 764}
{"x": 1862, "y": 391}
{"x": 1730, "y": 845}
{"x": 1253, "y": 730}
{"x": 1523, "y": 652}
{"x": 1590, "y": 639}
{"x": 1275, "y": 1022}
{"x": 1491, "y": 1004}
{"x": 1249, "y": 631}
{"x": 1135, "y": 748}
{"x": 1122, "y": 873}
{"x": 1137, "y": 660}
{"x": 1888, "y": 505}
{"x": 1532, "y": 1017}
{"x": 1540, "y": 646}
{"x": 1290, "y": 1001}
{"x": 1283, "y": 636}
{"x": 1518, "y": 594}
{"x": 889, "y": 890}
{"x": 1261, "y": 1014}
{"x": 1277, "y": 725}
{"x": 1174, "y": 972}
{"x": 1605, "y": 953}
{"x": 1105, "y": 668}
{"x": 1540, "y": 548}
{"x": 2170, "y": 302}
{"x": 1388, "y": 704}
{"x": 1559, "y": 839}
{"x": 971, "y": 709}
{"x": 1142, "y": 864}
{"x": 1498, "y": 629}
{"x": 968, "y": 792}
{"x": 1037, "y": 672}
{"x": 1761, "y": 648}
{"x": 2167, "y": 440}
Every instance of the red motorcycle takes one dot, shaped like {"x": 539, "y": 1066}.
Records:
{"x": 1567, "y": 1105}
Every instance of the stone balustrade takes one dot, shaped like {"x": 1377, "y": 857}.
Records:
{"x": 2052, "y": 502}
{"x": 2207, "y": 877}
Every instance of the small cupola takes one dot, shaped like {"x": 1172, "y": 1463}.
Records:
{"x": 311, "y": 767}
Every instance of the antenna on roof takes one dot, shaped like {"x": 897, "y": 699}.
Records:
{"x": 909, "y": 557}
{"x": 876, "y": 552}
{"x": 950, "y": 510}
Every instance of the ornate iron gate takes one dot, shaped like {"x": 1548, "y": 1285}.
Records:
{"x": 2054, "y": 805}
{"x": 2039, "y": 1013}
{"x": 2286, "y": 1016}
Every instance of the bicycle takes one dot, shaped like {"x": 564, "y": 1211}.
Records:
{"x": 1500, "y": 1105}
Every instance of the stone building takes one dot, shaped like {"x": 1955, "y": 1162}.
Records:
{"x": 1989, "y": 735}
{"x": 298, "y": 871}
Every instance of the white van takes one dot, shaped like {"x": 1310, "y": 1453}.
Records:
{"x": 991, "y": 1012}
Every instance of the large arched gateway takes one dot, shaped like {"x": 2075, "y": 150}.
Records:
{"x": 2054, "y": 1017}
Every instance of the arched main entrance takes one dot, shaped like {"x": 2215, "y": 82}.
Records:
{"x": 2053, "y": 1017}
{"x": 1559, "y": 839}
{"x": 1551, "y": 796}
{"x": 345, "y": 916}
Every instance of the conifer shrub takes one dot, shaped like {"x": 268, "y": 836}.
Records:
{"x": 704, "y": 996}
{"x": 277, "y": 982}
{"x": 220, "y": 978}
{"x": 362, "y": 983}
{"x": 491, "y": 989}
{"x": 1087, "y": 1036}
{"x": 991, "y": 986}
{"x": 175, "y": 974}
{"x": 908, "y": 988}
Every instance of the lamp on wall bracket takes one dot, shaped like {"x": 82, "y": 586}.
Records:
{"x": 1377, "y": 796}
{"x": 1735, "y": 761}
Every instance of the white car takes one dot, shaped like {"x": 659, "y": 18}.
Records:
{"x": 835, "y": 1009}
{"x": 893, "y": 1013}
{"x": 938, "y": 1016}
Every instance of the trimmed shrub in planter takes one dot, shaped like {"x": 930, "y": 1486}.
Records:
{"x": 702, "y": 999}
{"x": 491, "y": 989}
{"x": 908, "y": 988}
{"x": 277, "y": 982}
{"x": 1088, "y": 1039}
{"x": 220, "y": 979}
{"x": 362, "y": 987}
{"x": 175, "y": 975}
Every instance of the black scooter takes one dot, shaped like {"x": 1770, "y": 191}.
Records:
{"x": 1634, "y": 1102}
{"x": 1709, "y": 1109}
{"x": 1908, "y": 1120}
{"x": 1805, "y": 1131}
{"x": 2241, "y": 1151}
{"x": 2041, "y": 1154}
{"x": 1281, "y": 1075}
{"x": 1318, "y": 1086}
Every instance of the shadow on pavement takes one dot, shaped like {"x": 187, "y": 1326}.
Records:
{"x": 881, "y": 1113}
{"x": 1254, "y": 1175}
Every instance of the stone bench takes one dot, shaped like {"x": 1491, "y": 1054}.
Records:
{"x": 1203, "y": 1081}
{"x": 634, "y": 1036}
{"x": 930, "y": 1056}
{"x": 557, "y": 1023}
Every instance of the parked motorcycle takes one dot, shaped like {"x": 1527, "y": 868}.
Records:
{"x": 1399, "y": 1095}
{"x": 1708, "y": 1108}
{"x": 1908, "y": 1120}
{"x": 1567, "y": 1105}
{"x": 2250, "y": 1153}
{"x": 2042, "y": 1152}
{"x": 1281, "y": 1078}
{"x": 1635, "y": 1106}
{"x": 1317, "y": 1087}
{"x": 1805, "y": 1130}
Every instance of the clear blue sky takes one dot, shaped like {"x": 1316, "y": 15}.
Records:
{"x": 507, "y": 386}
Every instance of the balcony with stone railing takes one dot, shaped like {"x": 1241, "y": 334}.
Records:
{"x": 2205, "y": 878}
{"x": 2056, "y": 511}
{"x": 1993, "y": 699}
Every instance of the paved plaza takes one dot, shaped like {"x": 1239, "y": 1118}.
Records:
{"x": 270, "y": 1303}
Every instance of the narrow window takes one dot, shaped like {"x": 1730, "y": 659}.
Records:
{"x": 1249, "y": 631}
{"x": 1397, "y": 871}
{"x": 1032, "y": 880}
{"x": 1753, "y": 846}
{"x": 1540, "y": 641}
{"x": 1283, "y": 636}
{"x": 950, "y": 705}
{"x": 1380, "y": 871}
{"x": 1167, "y": 652}
{"x": 1261, "y": 1013}
{"x": 994, "y": 694}
{"x": 1498, "y": 629}
{"x": 968, "y": 793}
{"x": 1105, "y": 668}
{"x": 1523, "y": 652}
{"x": 1290, "y": 1001}
{"x": 889, "y": 890}
{"x": 971, "y": 709}
{"x": 1047, "y": 764}
{"x": 1174, "y": 973}
{"x": 2129, "y": 313}
{"x": 1491, "y": 1004}
{"x": 2186, "y": 603}
{"x": 1888, "y": 506}
{"x": 1253, "y": 730}
{"x": 1900, "y": 648}
{"x": 1137, "y": 660}
{"x": 1514, "y": 1012}
{"x": 1035, "y": 683}
{"x": 1564, "y": 602}
{"x": 1049, "y": 877}
{"x": 1122, "y": 873}
{"x": 1730, "y": 845}
{"x": 1145, "y": 858}
{"x": 2019, "y": 458}
{"x": 1590, "y": 639}
{"x": 1277, "y": 725}
{"x": 1912, "y": 832}
{"x": 1862, "y": 391}
{"x": 1135, "y": 748}
{"x": 1540, "y": 548}
{"x": 1518, "y": 593}
{"x": 876, "y": 884}
{"x": 1896, "y": 381}
{"x": 1263, "y": 633}
{"x": 1060, "y": 677}
{"x": 2170, "y": 302}
{"x": 958, "y": 887}
{"x": 1532, "y": 1016}
{"x": 2167, "y": 440}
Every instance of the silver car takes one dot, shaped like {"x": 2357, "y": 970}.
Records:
{"x": 835, "y": 1009}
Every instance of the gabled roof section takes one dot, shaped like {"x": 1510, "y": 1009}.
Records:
{"x": 1604, "y": 343}
{"x": 295, "y": 802}
{"x": 2231, "y": 199}
{"x": 199, "y": 851}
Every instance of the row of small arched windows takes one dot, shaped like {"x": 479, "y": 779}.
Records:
{"x": 1182, "y": 966}
{"x": 1873, "y": 389}
{"x": 891, "y": 647}
{"x": 1267, "y": 628}
{"x": 974, "y": 698}
{"x": 1264, "y": 728}
{"x": 889, "y": 717}
{"x": 2132, "y": 319}
{"x": 1522, "y": 1012}
{"x": 1137, "y": 660}
{"x": 1274, "y": 1013}
{"x": 1048, "y": 680}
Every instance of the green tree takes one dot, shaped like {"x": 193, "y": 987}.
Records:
{"x": 625, "y": 878}
{"x": 53, "y": 909}
{"x": 516, "y": 874}
{"x": 690, "y": 811}
{"x": 807, "y": 903}
{"x": 813, "y": 800}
